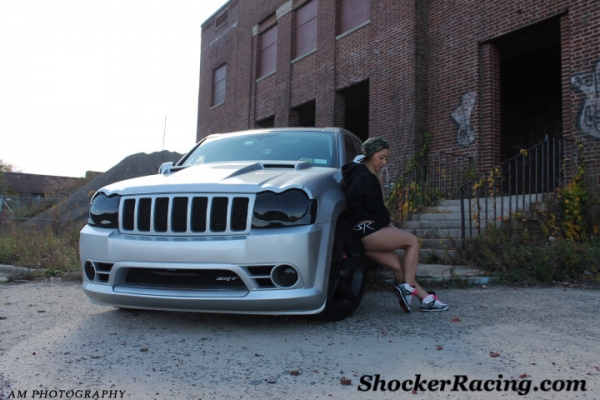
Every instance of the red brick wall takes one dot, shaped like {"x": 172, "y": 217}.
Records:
{"x": 420, "y": 57}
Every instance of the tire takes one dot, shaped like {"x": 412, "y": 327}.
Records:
{"x": 347, "y": 275}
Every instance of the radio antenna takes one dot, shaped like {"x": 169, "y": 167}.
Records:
{"x": 162, "y": 156}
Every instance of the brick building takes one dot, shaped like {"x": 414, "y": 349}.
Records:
{"x": 483, "y": 79}
{"x": 35, "y": 186}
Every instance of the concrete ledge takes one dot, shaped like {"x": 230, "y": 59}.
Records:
{"x": 438, "y": 272}
{"x": 7, "y": 271}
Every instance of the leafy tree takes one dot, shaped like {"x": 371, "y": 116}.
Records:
{"x": 6, "y": 167}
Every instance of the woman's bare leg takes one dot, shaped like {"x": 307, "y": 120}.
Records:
{"x": 391, "y": 260}
{"x": 381, "y": 246}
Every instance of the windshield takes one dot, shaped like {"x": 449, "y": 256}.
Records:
{"x": 317, "y": 148}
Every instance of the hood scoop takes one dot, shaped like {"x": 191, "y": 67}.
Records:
{"x": 297, "y": 166}
{"x": 300, "y": 165}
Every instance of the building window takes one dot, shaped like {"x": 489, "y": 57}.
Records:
{"x": 306, "y": 28}
{"x": 268, "y": 51}
{"x": 353, "y": 13}
{"x": 219, "y": 83}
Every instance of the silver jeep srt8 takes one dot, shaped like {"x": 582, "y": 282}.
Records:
{"x": 246, "y": 222}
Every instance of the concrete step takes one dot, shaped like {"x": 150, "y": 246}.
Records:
{"x": 412, "y": 225}
{"x": 456, "y": 216}
{"x": 437, "y": 255}
{"x": 440, "y": 233}
{"x": 432, "y": 224}
{"x": 441, "y": 244}
{"x": 433, "y": 255}
{"x": 514, "y": 199}
{"x": 453, "y": 216}
{"x": 440, "y": 272}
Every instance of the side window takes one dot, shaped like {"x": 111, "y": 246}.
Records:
{"x": 357, "y": 143}
{"x": 349, "y": 149}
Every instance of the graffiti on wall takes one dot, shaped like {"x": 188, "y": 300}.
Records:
{"x": 589, "y": 84}
{"x": 462, "y": 115}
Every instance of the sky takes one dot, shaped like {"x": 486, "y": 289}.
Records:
{"x": 84, "y": 84}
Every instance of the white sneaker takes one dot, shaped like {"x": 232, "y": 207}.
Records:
{"x": 431, "y": 303}
{"x": 404, "y": 292}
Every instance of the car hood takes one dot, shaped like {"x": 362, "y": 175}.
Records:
{"x": 232, "y": 177}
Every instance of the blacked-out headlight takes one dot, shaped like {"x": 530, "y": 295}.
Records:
{"x": 104, "y": 211}
{"x": 290, "y": 208}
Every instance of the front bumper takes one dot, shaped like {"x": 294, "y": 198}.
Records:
{"x": 305, "y": 248}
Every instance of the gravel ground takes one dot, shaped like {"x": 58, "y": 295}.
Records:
{"x": 53, "y": 338}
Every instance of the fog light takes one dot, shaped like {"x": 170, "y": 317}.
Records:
{"x": 285, "y": 275}
{"x": 90, "y": 271}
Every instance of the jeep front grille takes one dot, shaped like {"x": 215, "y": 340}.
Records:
{"x": 189, "y": 215}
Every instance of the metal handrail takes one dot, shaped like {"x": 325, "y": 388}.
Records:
{"x": 438, "y": 178}
{"x": 517, "y": 183}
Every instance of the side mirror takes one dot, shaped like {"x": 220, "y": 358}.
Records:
{"x": 165, "y": 168}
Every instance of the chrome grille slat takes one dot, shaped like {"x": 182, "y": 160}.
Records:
{"x": 183, "y": 214}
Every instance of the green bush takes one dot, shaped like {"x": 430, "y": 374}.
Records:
{"x": 515, "y": 256}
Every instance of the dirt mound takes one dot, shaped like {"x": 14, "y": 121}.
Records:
{"x": 136, "y": 165}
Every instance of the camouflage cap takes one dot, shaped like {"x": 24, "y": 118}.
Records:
{"x": 373, "y": 145}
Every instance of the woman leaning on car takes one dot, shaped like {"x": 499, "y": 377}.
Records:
{"x": 380, "y": 238}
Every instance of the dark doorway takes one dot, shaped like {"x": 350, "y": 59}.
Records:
{"x": 304, "y": 115}
{"x": 265, "y": 123}
{"x": 356, "y": 109}
{"x": 530, "y": 86}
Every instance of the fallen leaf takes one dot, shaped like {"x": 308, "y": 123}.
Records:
{"x": 439, "y": 348}
{"x": 294, "y": 373}
{"x": 345, "y": 381}
{"x": 524, "y": 375}
{"x": 455, "y": 319}
{"x": 494, "y": 354}
{"x": 414, "y": 392}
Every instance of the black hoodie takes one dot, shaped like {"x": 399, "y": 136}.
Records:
{"x": 363, "y": 192}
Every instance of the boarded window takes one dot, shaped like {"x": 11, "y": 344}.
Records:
{"x": 219, "y": 81}
{"x": 306, "y": 28}
{"x": 268, "y": 51}
{"x": 353, "y": 13}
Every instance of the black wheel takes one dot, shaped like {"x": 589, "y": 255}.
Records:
{"x": 347, "y": 275}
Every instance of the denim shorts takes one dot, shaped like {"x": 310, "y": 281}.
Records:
{"x": 366, "y": 228}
